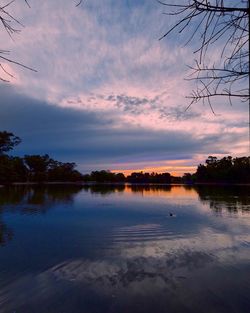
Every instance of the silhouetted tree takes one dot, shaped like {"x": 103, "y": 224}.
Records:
{"x": 59, "y": 171}
{"x": 140, "y": 177}
{"x": 105, "y": 176}
{"x": 187, "y": 178}
{"x": 35, "y": 168}
{"x": 8, "y": 141}
{"x": 225, "y": 170}
{"x": 38, "y": 166}
{"x": 119, "y": 177}
{"x": 11, "y": 168}
{"x": 6, "y": 169}
{"x": 18, "y": 169}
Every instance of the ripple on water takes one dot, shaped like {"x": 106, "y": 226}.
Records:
{"x": 141, "y": 233}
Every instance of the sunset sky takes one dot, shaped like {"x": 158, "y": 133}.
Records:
{"x": 107, "y": 93}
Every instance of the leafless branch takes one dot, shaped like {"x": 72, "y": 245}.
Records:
{"x": 227, "y": 27}
{"x": 12, "y": 26}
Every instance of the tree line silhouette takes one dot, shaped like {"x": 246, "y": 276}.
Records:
{"x": 225, "y": 170}
{"x": 42, "y": 168}
{"x": 136, "y": 177}
{"x": 32, "y": 168}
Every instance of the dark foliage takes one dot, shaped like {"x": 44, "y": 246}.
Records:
{"x": 59, "y": 171}
{"x": 38, "y": 167}
{"x": 42, "y": 168}
{"x": 104, "y": 176}
{"x": 151, "y": 178}
{"x": 12, "y": 169}
{"x": 225, "y": 170}
{"x": 32, "y": 168}
{"x": 8, "y": 141}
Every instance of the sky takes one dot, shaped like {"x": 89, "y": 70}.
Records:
{"x": 107, "y": 93}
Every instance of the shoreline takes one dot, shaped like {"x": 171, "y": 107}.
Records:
{"x": 93, "y": 183}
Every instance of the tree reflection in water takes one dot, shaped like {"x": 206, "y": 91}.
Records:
{"x": 232, "y": 199}
{"x": 35, "y": 199}
{"x": 114, "y": 248}
{"x": 38, "y": 199}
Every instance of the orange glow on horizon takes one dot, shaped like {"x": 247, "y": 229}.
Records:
{"x": 173, "y": 170}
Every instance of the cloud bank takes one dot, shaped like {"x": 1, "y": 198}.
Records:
{"x": 108, "y": 94}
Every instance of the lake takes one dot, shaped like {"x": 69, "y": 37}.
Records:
{"x": 77, "y": 249}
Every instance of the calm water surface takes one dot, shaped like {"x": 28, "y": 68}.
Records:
{"x": 73, "y": 249}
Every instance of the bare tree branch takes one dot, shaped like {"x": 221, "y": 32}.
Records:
{"x": 227, "y": 27}
{"x": 11, "y": 25}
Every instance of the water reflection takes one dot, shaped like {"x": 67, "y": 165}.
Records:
{"x": 34, "y": 199}
{"x": 6, "y": 234}
{"x": 38, "y": 194}
{"x": 233, "y": 199}
{"x": 104, "y": 189}
{"x": 39, "y": 199}
{"x": 116, "y": 249}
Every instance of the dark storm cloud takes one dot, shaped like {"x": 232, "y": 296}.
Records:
{"x": 86, "y": 137}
